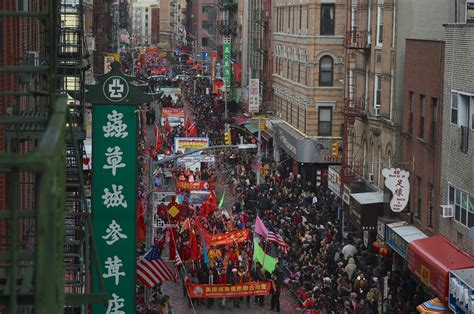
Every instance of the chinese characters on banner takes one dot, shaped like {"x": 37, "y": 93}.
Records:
{"x": 228, "y": 291}
{"x": 396, "y": 180}
{"x": 254, "y": 95}
{"x": 226, "y": 61}
{"x": 114, "y": 193}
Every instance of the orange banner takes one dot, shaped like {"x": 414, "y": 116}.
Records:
{"x": 226, "y": 238}
{"x": 192, "y": 186}
{"x": 228, "y": 291}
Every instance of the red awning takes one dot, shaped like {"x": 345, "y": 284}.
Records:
{"x": 240, "y": 120}
{"x": 431, "y": 259}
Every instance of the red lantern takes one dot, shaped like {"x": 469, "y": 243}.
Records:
{"x": 86, "y": 161}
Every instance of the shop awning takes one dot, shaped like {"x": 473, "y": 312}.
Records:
{"x": 368, "y": 197}
{"x": 252, "y": 127}
{"x": 432, "y": 258}
{"x": 364, "y": 210}
{"x": 400, "y": 234}
{"x": 433, "y": 306}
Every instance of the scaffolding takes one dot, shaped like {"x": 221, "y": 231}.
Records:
{"x": 356, "y": 44}
{"x": 45, "y": 225}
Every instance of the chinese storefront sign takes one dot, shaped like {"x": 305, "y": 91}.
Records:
{"x": 254, "y": 95}
{"x": 114, "y": 213}
{"x": 227, "y": 63}
{"x": 396, "y": 180}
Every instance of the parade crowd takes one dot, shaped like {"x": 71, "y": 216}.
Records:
{"x": 324, "y": 270}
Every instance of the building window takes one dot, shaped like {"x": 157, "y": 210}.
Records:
{"x": 301, "y": 16}
{"x": 377, "y": 95}
{"x": 299, "y": 72}
{"x": 325, "y": 121}
{"x": 429, "y": 223}
{"x": 411, "y": 97}
{"x": 418, "y": 203}
{"x": 288, "y": 69}
{"x": 470, "y": 11}
{"x": 379, "y": 25}
{"x": 205, "y": 24}
{"x": 204, "y": 41}
{"x": 434, "y": 118}
{"x": 289, "y": 20}
{"x": 327, "y": 19}
{"x": 454, "y": 108}
{"x": 422, "y": 116}
{"x": 326, "y": 71}
{"x": 463, "y": 204}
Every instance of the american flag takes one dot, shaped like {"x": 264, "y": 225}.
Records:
{"x": 152, "y": 270}
{"x": 177, "y": 262}
{"x": 275, "y": 237}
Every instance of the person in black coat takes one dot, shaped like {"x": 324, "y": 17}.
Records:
{"x": 212, "y": 280}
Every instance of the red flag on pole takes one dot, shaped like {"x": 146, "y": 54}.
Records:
{"x": 193, "y": 130}
{"x": 141, "y": 228}
{"x": 158, "y": 139}
{"x": 173, "y": 237}
{"x": 187, "y": 124}
{"x": 167, "y": 125}
{"x": 209, "y": 205}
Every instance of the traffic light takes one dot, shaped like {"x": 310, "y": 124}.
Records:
{"x": 263, "y": 125}
{"x": 335, "y": 149}
{"x": 227, "y": 138}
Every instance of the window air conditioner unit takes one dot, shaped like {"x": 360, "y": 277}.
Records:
{"x": 370, "y": 177}
{"x": 447, "y": 211}
{"x": 375, "y": 112}
{"x": 32, "y": 58}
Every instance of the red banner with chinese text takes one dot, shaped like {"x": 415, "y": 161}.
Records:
{"x": 226, "y": 238}
{"x": 228, "y": 291}
{"x": 192, "y": 186}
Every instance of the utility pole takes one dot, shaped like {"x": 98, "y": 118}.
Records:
{"x": 259, "y": 148}
{"x": 225, "y": 101}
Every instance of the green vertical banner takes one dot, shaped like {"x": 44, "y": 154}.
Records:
{"x": 114, "y": 176}
{"x": 227, "y": 63}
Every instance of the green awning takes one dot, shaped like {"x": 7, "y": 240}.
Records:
{"x": 252, "y": 127}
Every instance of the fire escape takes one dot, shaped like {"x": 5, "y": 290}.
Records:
{"x": 357, "y": 47}
{"x": 45, "y": 228}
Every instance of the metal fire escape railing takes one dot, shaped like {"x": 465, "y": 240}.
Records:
{"x": 355, "y": 105}
{"x": 45, "y": 226}
{"x": 32, "y": 167}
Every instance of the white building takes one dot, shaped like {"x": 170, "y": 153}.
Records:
{"x": 141, "y": 21}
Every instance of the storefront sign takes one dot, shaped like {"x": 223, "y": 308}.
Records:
{"x": 461, "y": 293}
{"x": 114, "y": 203}
{"x": 334, "y": 182}
{"x": 254, "y": 95}
{"x": 396, "y": 180}
{"x": 396, "y": 242}
{"x": 227, "y": 63}
{"x": 194, "y": 186}
{"x": 400, "y": 234}
{"x": 228, "y": 291}
{"x": 189, "y": 143}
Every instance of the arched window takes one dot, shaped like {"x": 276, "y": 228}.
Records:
{"x": 326, "y": 71}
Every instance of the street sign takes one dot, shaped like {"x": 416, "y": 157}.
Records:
{"x": 114, "y": 157}
{"x": 227, "y": 64}
{"x": 254, "y": 95}
{"x": 114, "y": 153}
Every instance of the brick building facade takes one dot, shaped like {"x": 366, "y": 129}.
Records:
{"x": 421, "y": 128}
{"x": 308, "y": 73}
{"x": 457, "y": 160}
